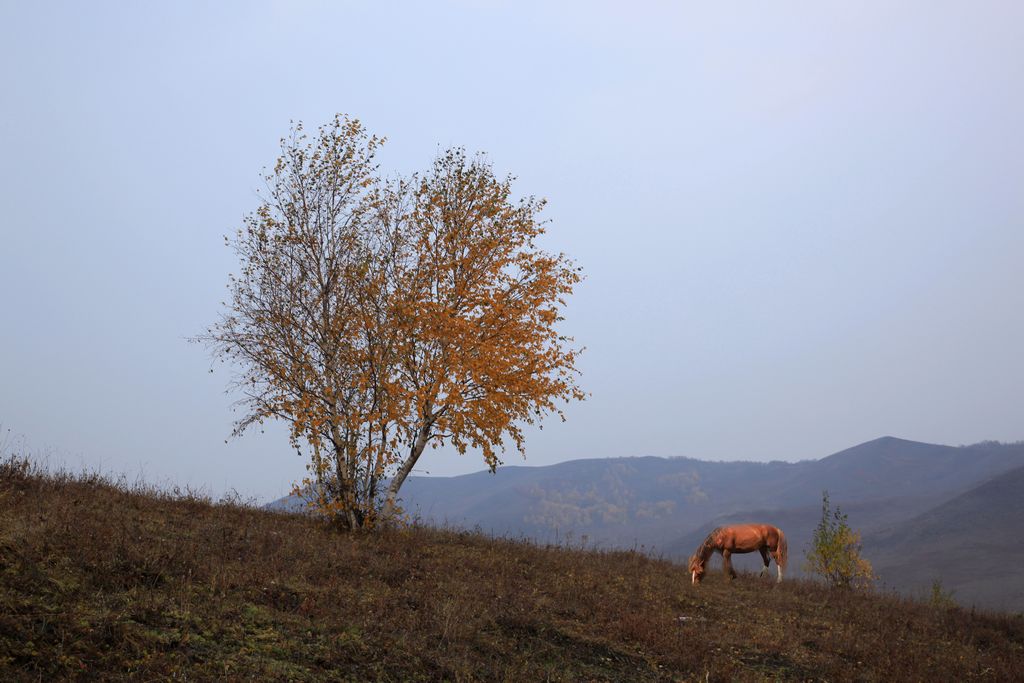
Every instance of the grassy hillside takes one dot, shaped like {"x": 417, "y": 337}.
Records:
{"x": 100, "y": 581}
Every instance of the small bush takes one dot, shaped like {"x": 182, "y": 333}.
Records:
{"x": 940, "y": 598}
{"x": 835, "y": 548}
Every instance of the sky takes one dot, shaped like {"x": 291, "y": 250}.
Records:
{"x": 802, "y": 223}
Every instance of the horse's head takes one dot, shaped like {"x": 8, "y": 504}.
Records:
{"x": 696, "y": 569}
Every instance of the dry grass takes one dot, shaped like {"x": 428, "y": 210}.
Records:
{"x": 100, "y": 580}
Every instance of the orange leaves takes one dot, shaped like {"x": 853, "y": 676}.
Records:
{"x": 377, "y": 317}
{"x": 483, "y": 291}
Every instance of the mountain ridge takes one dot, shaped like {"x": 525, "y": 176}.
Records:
{"x": 666, "y": 505}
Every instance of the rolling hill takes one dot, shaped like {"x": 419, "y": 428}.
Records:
{"x": 667, "y": 505}
{"x": 973, "y": 543}
{"x": 100, "y": 580}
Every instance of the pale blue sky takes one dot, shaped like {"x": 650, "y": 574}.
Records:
{"x": 802, "y": 225}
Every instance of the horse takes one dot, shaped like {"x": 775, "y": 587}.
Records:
{"x": 741, "y": 538}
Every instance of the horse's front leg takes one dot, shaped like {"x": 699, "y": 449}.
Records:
{"x": 727, "y": 564}
{"x": 780, "y": 559}
{"x": 765, "y": 558}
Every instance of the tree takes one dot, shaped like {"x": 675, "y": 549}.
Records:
{"x": 379, "y": 317}
{"x": 835, "y": 551}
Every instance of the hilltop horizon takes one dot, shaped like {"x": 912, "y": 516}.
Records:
{"x": 739, "y": 459}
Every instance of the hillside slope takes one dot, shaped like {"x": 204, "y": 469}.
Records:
{"x": 618, "y": 502}
{"x": 924, "y": 534}
{"x": 101, "y": 582}
{"x": 623, "y": 502}
{"x": 663, "y": 504}
{"x": 656, "y": 502}
{"x": 974, "y": 543}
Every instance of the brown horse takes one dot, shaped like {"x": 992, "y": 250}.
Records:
{"x": 740, "y": 538}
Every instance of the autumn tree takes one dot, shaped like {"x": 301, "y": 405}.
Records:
{"x": 378, "y": 318}
{"x": 835, "y": 548}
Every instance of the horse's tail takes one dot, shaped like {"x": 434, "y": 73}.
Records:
{"x": 783, "y": 551}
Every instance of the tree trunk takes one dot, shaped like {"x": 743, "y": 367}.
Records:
{"x": 414, "y": 454}
{"x": 346, "y": 489}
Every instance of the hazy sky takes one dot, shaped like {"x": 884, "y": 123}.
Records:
{"x": 802, "y": 223}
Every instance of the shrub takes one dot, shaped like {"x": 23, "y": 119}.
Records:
{"x": 835, "y": 549}
{"x": 940, "y": 598}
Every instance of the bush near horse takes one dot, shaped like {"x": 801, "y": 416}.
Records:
{"x": 835, "y": 551}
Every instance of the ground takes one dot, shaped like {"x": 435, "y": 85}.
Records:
{"x": 100, "y": 580}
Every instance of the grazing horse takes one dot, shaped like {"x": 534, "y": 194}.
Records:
{"x": 740, "y": 538}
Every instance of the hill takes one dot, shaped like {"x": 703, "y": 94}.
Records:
{"x": 667, "y": 505}
{"x": 103, "y": 581}
{"x": 973, "y": 543}
{"x": 626, "y": 502}
{"x": 623, "y": 502}
{"x": 615, "y": 501}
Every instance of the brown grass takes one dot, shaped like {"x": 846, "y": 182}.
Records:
{"x": 100, "y": 580}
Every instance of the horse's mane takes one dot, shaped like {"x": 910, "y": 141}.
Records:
{"x": 708, "y": 546}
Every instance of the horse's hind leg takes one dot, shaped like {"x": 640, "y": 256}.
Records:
{"x": 727, "y": 564}
{"x": 765, "y": 558}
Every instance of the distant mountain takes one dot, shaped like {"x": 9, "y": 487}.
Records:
{"x": 889, "y": 467}
{"x": 654, "y": 502}
{"x": 974, "y": 543}
{"x": 878, "y": 484}
{"x": 925, "y": 511}
{"x": 663, "y": 503}
{"x": 614, "y": 502}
